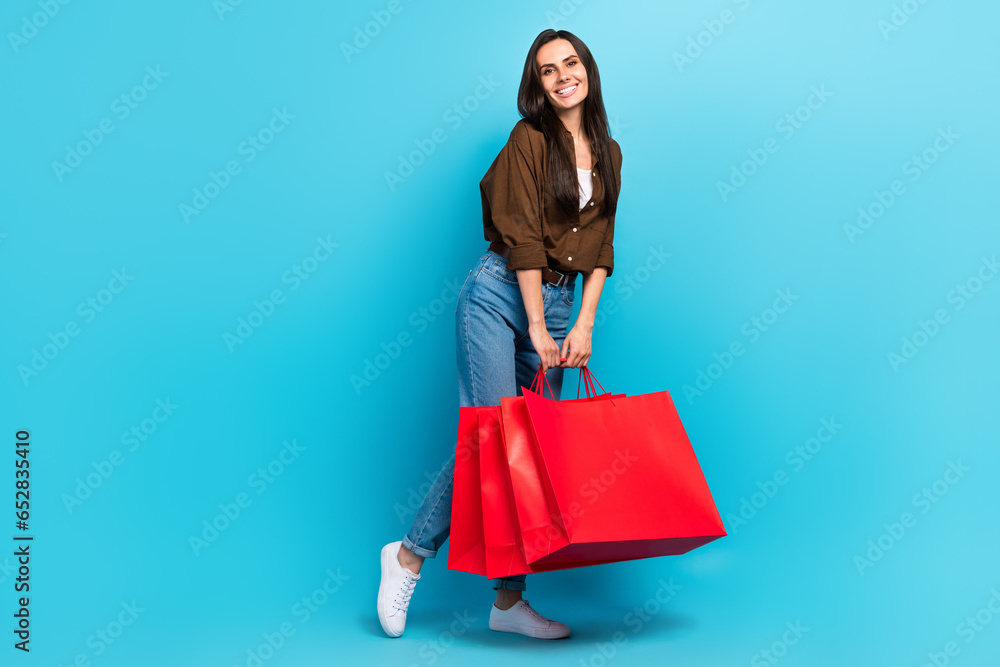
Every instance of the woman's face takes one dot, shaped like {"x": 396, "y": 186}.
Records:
{"x": 563, "y": 77}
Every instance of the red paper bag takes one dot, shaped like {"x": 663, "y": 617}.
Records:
{"x": 504, "y": 550}
{"x": 497, "y": 513}
{"x": 541, "y": 528}
{"x": 504, "y": 437}
{"x": 624, "y": 477}
{"x": 467, "y": 550}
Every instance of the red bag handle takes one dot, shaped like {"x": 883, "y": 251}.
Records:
{"x": 539, "y": 378}
{"x": 584, "y": 374}
{"x": 592, "y": 380}
{"x": 589, "y": 386}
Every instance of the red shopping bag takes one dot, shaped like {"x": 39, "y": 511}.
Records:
{"x": 505, "y": 549}
{"x": 624, "y": 476}
{"x": 467, "y": 550}
{"x": 540, "y": 526}
{"x": 498, "y": 528}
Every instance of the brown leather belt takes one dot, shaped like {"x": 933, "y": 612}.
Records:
{"x": 552, "y": 276}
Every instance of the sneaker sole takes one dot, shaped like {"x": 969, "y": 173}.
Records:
{"x": 382, "y": 603}
{"x": 529, "y": 631}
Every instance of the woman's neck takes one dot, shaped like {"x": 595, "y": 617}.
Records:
{"x": 572, "y": 120}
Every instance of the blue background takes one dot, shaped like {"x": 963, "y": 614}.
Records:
{"x": 364, "y": 449}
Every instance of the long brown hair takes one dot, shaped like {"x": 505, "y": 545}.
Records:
{"x": 534, "y": 106}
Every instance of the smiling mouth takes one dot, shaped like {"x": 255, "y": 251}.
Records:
{"x": 568, "y": 90}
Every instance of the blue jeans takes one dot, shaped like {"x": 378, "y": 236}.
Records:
{"x": 495, "y": 358}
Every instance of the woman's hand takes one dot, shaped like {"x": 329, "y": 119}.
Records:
{"x": 578, "y": 343}
{"x": 545, "y": 346}
{"x": 530, "y": 281}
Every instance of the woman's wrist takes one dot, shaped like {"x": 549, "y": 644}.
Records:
{"x": 537, "y": 326}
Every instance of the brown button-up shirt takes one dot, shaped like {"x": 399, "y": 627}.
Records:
{"x": 520, "y": 209}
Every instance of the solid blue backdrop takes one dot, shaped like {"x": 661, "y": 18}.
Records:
{"x": 230, "y": 242}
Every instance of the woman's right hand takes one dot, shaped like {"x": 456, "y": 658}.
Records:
{"x": 545, "y": 346}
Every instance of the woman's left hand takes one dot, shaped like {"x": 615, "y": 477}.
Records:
{"x": 577, "y": 341}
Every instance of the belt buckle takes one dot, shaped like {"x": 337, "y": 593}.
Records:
{"x": 563, "y": 277}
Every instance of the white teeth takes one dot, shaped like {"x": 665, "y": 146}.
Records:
{"x": 565, "y": 90}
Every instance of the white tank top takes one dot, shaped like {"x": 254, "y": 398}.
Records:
{"x": 586, "y": 185}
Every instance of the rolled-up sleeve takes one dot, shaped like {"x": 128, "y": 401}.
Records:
{"x": 606, "y": 255}
{"x": 515, "y": 209}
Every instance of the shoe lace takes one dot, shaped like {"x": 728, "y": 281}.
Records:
{"x": 405, "y": 591}
{"x": 531, "y": 610}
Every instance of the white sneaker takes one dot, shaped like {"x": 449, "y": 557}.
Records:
{"x": 521, "y": 618}
{"x": 394, "y": 591}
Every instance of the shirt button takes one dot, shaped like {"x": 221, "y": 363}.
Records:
{"x": 591, "y": 203}
{"x": 574, "y": 229}
{"x": 570, "y": 258}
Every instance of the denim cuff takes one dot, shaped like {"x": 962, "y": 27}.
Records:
{"x": 420, "y": 551}
{"x": 510, "y": 583}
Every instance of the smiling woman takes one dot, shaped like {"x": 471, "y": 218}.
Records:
{"x": 549, "y": 200}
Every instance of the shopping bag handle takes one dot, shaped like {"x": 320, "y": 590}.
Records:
{"x": 536, "y": 383}
{"x": 589, "y": 377}
{"x": 540, "y": 377}
{"x": 589, "y": 386}
{"x": 592, "y": 380}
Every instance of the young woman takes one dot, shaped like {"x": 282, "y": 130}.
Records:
{"x": 549, "y": 201}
